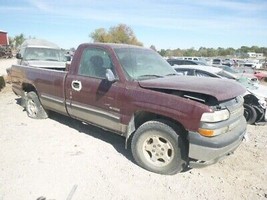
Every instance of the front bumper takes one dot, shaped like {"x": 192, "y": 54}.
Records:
{"x": 204, "y": 151}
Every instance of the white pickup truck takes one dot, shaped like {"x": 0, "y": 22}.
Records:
{"x": 41, "y": 53}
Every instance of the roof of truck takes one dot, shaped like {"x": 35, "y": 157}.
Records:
{"x": 112, "y": 45}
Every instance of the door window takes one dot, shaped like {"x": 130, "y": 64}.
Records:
{"x": 204, "y": 74}
{"x": 184, "y": 72}
{"x": 94, "y": 63}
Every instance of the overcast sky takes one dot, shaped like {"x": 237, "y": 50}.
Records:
{"x": 164, "y": 24}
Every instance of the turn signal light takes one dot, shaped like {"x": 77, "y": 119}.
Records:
{"x": 206, "y": 132}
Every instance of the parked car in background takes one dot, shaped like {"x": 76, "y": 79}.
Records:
{"x": 255, "y": 99}
{"x": 201, "y": 59}
{"x": 217, "y": 61}
{"x": 260, "y": 75}
{"x": 41, "y": 53}
{"x": 239, "y": 73}
{"x": 174, "y": 61}
{"x": 204, "y": 71}
{"x": 254, "y": 64}
{"x": 228, "y": 62}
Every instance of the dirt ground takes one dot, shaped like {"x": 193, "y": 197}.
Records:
{"x": 62, "y": 159}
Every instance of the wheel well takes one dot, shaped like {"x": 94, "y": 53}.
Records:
{"x": 251, "y": 100}
{"x": 142, "y": 117}
{"x": 28, "y": 87}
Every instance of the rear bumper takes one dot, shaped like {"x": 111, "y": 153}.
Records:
{"x": 204, "y": 151}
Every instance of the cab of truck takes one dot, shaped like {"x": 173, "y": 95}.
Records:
{"x": 41, "y": 53}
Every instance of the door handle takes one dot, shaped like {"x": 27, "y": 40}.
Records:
{"x": 76, "y": 85}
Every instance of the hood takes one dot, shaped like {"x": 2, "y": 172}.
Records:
{"x": 221, "y": 89}
{"x": 46, "y": 64}
{"x": 259, "y": 91}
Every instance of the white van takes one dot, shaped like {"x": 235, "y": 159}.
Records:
{"x": 41, "y": 53}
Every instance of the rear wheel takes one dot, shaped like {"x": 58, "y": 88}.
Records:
{"x": 157, "y": 147}
{"x": 34, "y": 107}
{"x": 250, "y": 114}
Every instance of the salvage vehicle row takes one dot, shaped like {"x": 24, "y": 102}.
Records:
{"x": 255, "y": 99}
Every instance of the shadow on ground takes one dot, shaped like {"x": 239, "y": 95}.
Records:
{"x": 117, "y": 141}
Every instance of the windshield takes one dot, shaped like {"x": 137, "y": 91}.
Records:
{"x": 45, "y": 54}
{"x": 226, "y": 74}
{"x": 248, "y": 83}
{"x": 143, "y": 63}
{"x": 231, "y": 70}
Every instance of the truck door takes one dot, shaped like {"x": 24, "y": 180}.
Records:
{"x": 89, "y": 96}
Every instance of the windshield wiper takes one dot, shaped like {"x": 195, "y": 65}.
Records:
{"x": 173, "y": 74}
{"x": 150, "y": 76}
{"x": 50, "y": 59}
{"x": 31, "y": 59}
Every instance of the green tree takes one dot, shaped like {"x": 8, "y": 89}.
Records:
{"x": 11, "y": 42}
{"x": 117, "y": 34}
{"x": 18, "y": 40}
{"x": 162, "y": 52}
{"x": 177, "y": 52}
{"x": 100, "y": 35}
{"x": 153, "y": 47}
{"x": 211, "y": 52}
{"x": 203, "y": 52}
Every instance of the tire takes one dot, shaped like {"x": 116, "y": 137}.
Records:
{"x": 34, "y": 108}
{"x": 260, "y": 113}
{"x": 250, "y": 114}
{"x": 158, "y": 148}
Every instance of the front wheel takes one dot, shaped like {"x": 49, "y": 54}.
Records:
{"x": 34, "y": 107}
{"x": 157, "y": 147}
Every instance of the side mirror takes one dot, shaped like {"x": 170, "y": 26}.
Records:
{"x": 18, "y": 56}
{"x": 68, "y": 58}
{"x": 110, "y": 75}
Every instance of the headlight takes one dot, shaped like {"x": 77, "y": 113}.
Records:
{"x": 217, "y": 131}
{"x": 216, "y": 116}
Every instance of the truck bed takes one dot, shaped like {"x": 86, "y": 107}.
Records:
{"x": 49, "y": 84}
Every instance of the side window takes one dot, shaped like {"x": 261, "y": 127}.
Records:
{"x": 170, "y": 62}
{"x": 94, "y": 63}
{"x": 183, "y": 72}
{"x": 178, "y": 62}
{"x": 202, "y": 74}
{"x": 187, "y": 62}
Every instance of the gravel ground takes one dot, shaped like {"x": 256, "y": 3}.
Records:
{"x": 62, "y": 159}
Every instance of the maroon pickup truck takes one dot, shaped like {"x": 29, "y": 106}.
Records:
{"x": 172, "y": 122}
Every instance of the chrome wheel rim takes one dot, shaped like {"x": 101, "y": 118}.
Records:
{"x": 158, "y": 150}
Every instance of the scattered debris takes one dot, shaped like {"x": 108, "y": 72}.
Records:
{"x": 72, "y": 192}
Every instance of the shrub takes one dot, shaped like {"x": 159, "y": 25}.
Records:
{"x": 2, "y": 82}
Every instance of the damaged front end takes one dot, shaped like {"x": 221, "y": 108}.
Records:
{"x": 255, "y": 108}
{"x": 219, "y": 134}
